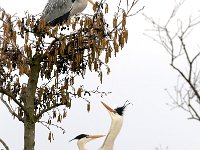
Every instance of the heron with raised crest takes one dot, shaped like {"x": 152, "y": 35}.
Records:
{"x": 116, "y": 125}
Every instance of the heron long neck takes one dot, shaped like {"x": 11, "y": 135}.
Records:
{"x": 81, "y": 146}
{"x": 115, "y": 128}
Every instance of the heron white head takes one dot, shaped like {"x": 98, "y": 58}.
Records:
{"x": 117, "y": 112}
{"x": 84, "y": 138}
{"x": 115, "y": 127}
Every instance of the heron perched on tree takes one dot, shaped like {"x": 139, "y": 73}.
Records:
{"x": 57, "y": 11}
{"x": 83, "y": 139}
{"x": 116, "y": 125}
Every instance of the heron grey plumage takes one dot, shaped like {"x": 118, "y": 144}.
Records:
{"x": 57, "y": 11}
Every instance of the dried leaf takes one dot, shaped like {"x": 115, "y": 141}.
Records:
{"x": 66, "y": 84}
{"x": 49, "y": 121}
{"x": 74, "y": 25}
{"x": 32, "y": 24}
{"x": 95, "y": 65}
{"x": 69, "y": 103}
{"x": 63, "y": 46}
{"x": 68, "y": 23}
{"x": 79, "y": 91}
{"x": 116, "y": 46}
{"x": 29, "y": 51}
{"x": 114, "y": 22}
{"x": 108, "y": 70}
{"x": 59, "y": 118}
{"x": 14, "y": 37}
{"x": 28, "y": 20}
{"x": 40, "y": 94}
{"x": 19, "y": 24}
{"x": 95, "y": 6}
{"x": 124, "y": 20}
{"x": 50, "y": 136}
{"x": 88, "y": 106}
{"x": 54, "y": 114}
{"x": 104, "y": 43}
{"x": 101, "y": 77}
{"x": 106, "y": 8}
{"x": 26, "y": 37}
{"x": 27, "y": 70}
{"x": 121, "y": 40}
{"x": 72, "y": 81}
{"x": 3, "y": 15}
{"x": 54, "y": 31}
{"x": 42, "y": 24}
{"x": 107, "y": 57}
{"x": 126, "y": 35}
{"x": 64, "y": 114}
{"x": 81, "y": 23}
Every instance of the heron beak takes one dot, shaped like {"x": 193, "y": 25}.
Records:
{"x": 95, "y": 136}
{"x": 91, "y": 2}
{"x": 108, "y": 107}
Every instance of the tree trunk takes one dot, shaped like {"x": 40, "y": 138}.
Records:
{"x": 29, "y": 116}
{"x": 29, "y": 134}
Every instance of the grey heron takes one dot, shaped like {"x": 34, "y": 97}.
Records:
{"x": 83, "y": 139}
{"x": 116, "y": 125}
{"x": 57, "y": 11}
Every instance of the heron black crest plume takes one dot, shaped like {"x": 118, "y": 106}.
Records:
{"x": 120, "y": 110}
{"x": 127, "y": 103}
{"x": 79, "y": 137}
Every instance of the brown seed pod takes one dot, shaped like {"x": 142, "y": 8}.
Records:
{"x": 88, "y": 107}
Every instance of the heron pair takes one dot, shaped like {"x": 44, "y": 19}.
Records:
{"x": 116, "y": 125}
{"x": 56, "y": 12}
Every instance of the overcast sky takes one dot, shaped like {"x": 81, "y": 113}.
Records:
{"x": 139, "y": 73}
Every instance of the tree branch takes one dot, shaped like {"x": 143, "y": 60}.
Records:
{"x": 47, "y": 109}
{"x": 47, "y": 125}
{"x": 134, "y": 2}
{"x": 188, "y": 81}
{"x": 4, "y": 144}
{"x": 3, "y": 91}
{"x": 175, "y": 43}
{"x": 10, "y": 109}
{"x": 187, "y": 57}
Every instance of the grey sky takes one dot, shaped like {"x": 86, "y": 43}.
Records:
{"x": 139, "y": 73}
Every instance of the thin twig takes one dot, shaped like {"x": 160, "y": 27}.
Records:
{"x": 47, "y": 125}
{"x": 3, "y": 91}
{"x": 10, "y": 109}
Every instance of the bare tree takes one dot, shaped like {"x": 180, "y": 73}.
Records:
{"x": 176, "y": 37}
{"x": 39, "y": 64}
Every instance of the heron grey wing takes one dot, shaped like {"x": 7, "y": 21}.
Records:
{"x": 48, "y": 8}
{"x": 55, "y": 9}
